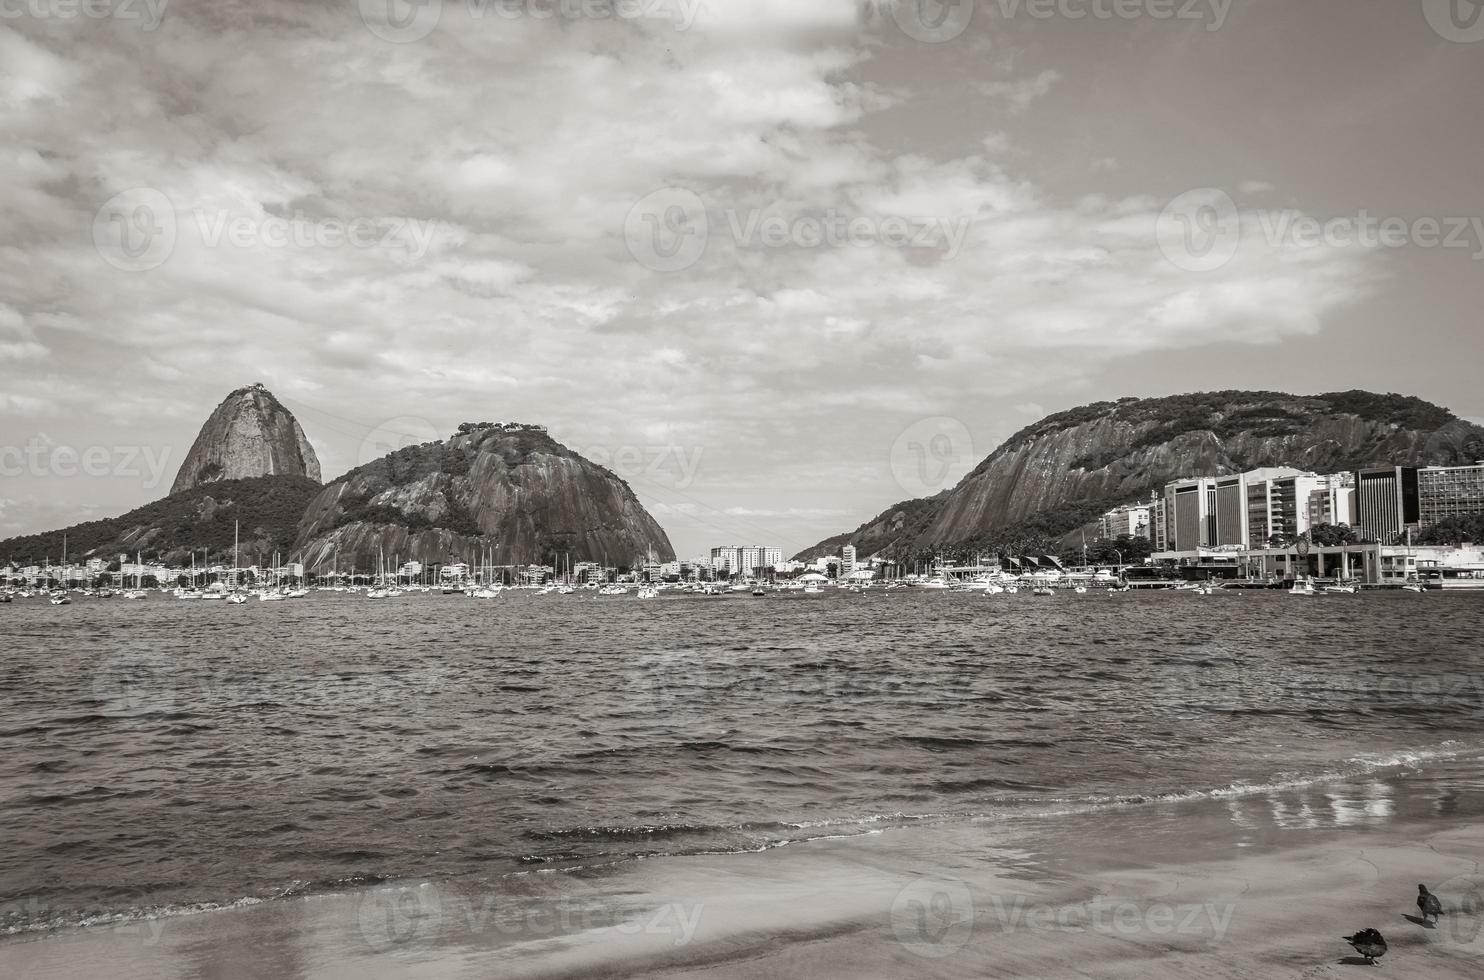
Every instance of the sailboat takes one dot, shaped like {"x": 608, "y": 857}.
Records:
{"x": 138, "y": 591}
{"x": 236, "y": 597}
{"x": 380, "y": 591}
{"x": 60, "y": 597}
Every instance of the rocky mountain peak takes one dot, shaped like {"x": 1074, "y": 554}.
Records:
{"x": 250, "y": 434}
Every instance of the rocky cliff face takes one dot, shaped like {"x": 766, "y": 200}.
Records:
{"x": 511, "y": 493}
{"x": 1066, "y": 469}
{"x": 249, "y": 435}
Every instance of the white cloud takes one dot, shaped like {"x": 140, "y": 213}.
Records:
{"x": 1021, "y": 92}
{"x": 527, "y": 143}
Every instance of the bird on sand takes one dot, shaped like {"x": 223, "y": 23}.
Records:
{"x": 1368, "y": 943}
{"x": 1428, "y": 904}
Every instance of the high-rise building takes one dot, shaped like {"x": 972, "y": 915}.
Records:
{"x": 1334, "y": 501}
{"x": 1158, "y": 536}
{"x": 1386, "y": 502}
{"x": 724, "y": 559}
{"x": 1205, "y": 512}
{"x": 847, "y": 560}
{"x": 1449, "y": 491}
{"x": 744, "y": 560}
{"x": 1131, "y": 519}
{"x": 1278, "y": 504}
{"x": 1226, "y": 511}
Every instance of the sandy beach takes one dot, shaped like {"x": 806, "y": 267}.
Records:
{"x": 1215, "y": 888}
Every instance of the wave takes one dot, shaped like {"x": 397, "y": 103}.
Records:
{"x": 747, "y": 837}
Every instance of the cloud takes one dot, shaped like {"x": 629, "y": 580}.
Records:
{"x": 788, "y": 512}
{"x": 495, "y": 167}
{"x": 1020, "y": 93}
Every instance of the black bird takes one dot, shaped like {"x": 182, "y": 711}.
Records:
{"x": 1428, "y": 904}
{"x": 1368, "y": 943}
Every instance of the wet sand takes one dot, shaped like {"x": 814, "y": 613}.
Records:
{"x": 1246, "y": 888}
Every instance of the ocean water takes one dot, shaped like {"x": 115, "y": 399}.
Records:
{"x": 164, "y": 756}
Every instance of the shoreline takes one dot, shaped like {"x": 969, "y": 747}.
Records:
{"x": 1158, "y": 891}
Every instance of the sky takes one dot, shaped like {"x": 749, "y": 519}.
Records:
{"x": 777, "y": 264}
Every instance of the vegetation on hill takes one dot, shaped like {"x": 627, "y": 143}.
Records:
{"x": 888, "y": 533}
{"x": 268, "y": 508}
{"x": 1274, "y": 414}
{"x": 1230, "y": 430}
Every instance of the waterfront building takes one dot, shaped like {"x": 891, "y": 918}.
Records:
{"x": 1131, "y": 519}
{"x": 723, "y": 559}
{"x": 1278, "y": 504}
{"x": 1158, "y": 536}
{"x": 1386, "y": 502}
{"x": 744, "y": 560}
{"x": 1334, "y": 501}
{"x": 1368, "y": 563}
{"x": 847, "y": 560}
{"x": 1234, "y": 510}
{"x": 588, "y": 571}
{"x": 1445, "y": 492}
